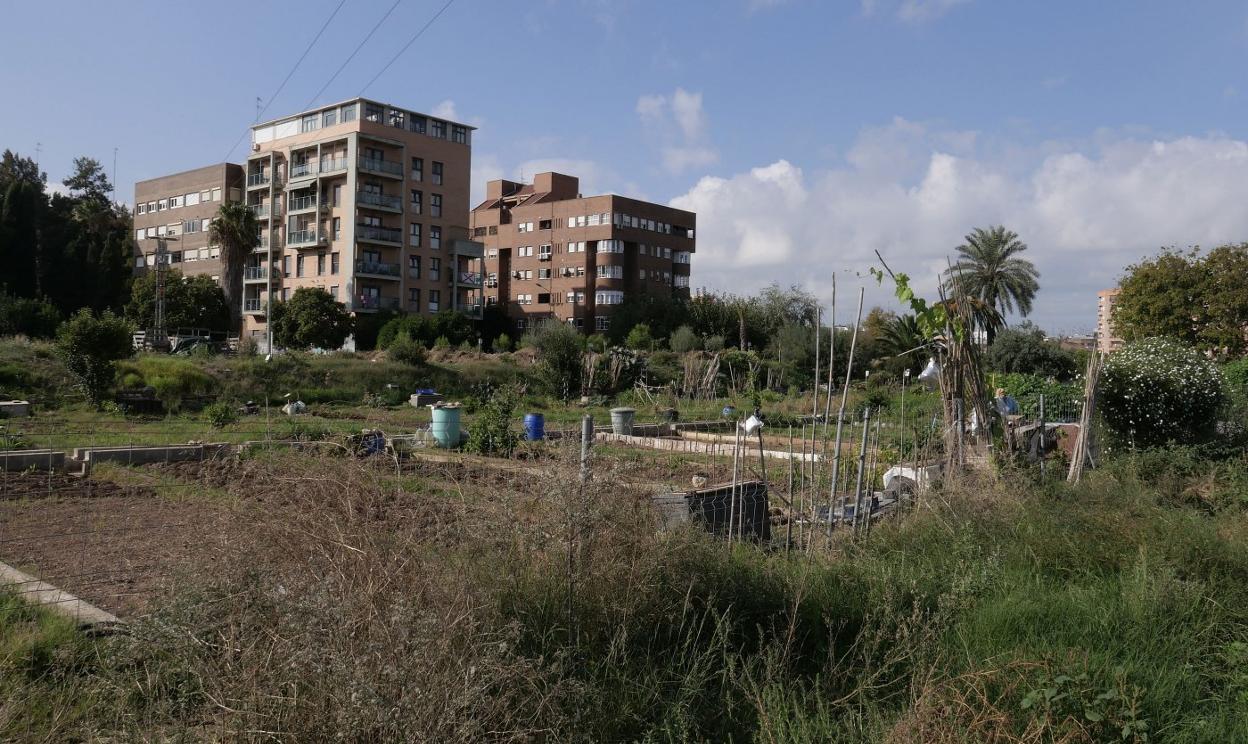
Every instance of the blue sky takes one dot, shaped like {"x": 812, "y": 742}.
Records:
{"x": 806, "y": 134}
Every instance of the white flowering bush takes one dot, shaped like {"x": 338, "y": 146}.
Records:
{"x": 1158, "y": 390}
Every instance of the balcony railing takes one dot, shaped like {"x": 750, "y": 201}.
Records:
{"x": 252, "y": 306}
{"x": 303, "y": 170}
{"x": 470, "y": 278}
{"x": 258, "y": 179}
{"x": 383, "y": 234}
{"x": 370, "y": 302}
{"x": 301, "y": 203}
{"x": 385, "y": 201}
{"x": 331, "y": 165}
{"x": 380, "y": 268}
{"x": 387, "y": 167}
{"x": 255, "y": 273}
{"x": 301, "y": 237}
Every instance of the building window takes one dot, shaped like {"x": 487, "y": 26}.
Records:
{"x": 435, "y": 237}
{"x": 337, "y": 195}
{"x": 216, "y": 194}
{"x": 608, "y": 297}
{"x": 543, "y": 252}
{"x": 192, "y": 199}
{"x": 524, "y": 227}
{"x": 459, "y": 134}
{"x": 372, "y": 112}
{"x": 437, "y": 173}
{"x": 543, "y": 225}
{"x": 151, "y": 206}
{"x": 337, "y": 226}
{"x": 437, "y": 129}
{"x": 333, "y": 291}
{"x": 299, "y": 265}
{"x": 162, "y": 205}
{"x": 286, "y": 266}
{"x": 435, "y": 269}
{"x": 329, "y": 118}
{"x": 333, "y": 262}
{"x": 416, "y": 124}
{"x": 413, "y": 298}
{"x": 413, "y": 267}
{"x": 520, "y": 324}
{"x": 602, "y": 323}
{"x": 610, "y": 246}
{"x": 435, "y": 205}
{"x": 414, "y": 235}
{"x": 610, "y": 272}
{"x": 418, "y": 198}
{"x": 435, "y": 299}
{"x": 309, "y": 123}
{"x": 348, "y": 112}
{"x": 543, "y": 273}
{"x": 320, "y": 264}
{"x": 398, "y": 118}
{"x": 418, "y": 169}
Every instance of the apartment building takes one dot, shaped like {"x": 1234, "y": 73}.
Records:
{"x": 367, "y": 201}
{"x": 180, "y": 208}
{"x": 552, "y": 253}
{"x": 1106, "y": 340}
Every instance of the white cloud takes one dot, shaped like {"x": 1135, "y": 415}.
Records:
{"x": 1085, "y": 212}
{"x": 445, "y": 110}
{"x": 679, "y": 123}
{"x": 913, "y": 11}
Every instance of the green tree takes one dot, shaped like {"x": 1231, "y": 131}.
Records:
{"x": 684, "y": 340}
{"x": 989, "y": 268}
{"x": 639, "y": 338}
{"x": 89, "y": 181}
{"x": 36, "y": 318}
{"x": 190, "y": 302}
{"x": 560, "y": 350}
{"x": 312, "y": 318}
{"x": 21, "y": 214}
{"x": 1225, "y": 299}
{"x": 1024, "y": 350}
{"x": 661, "y": 311}
{"x": 14, "y": 167}
{"x": 90, "y": 346}
{"x": 1161, "y": 296}
{"x": 235, "y": 228}
{"x": 902, "y": 345}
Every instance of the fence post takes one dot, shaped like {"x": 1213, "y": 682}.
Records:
{"x": 587, "y": 436}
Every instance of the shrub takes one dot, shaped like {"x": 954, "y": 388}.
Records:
{"x": 490, "y": 432}
{"x": 90, "y": 348}
{"x": 1025, "y": 350}
{"x": 312, "y": 318}
{"x": 404, "y": 350}
{"x": 684, "y": 340}
{"x": 559, "y": 353}
{"x": 713, "y": 343}
{"x": 36, "y": 318}
{"x": 220, "y": 414}
{"x": 639, "y": 338}
{"x": 173, "y": 378}
{"x": 597, "y": 342}
{"x": 502, "y": 342}
{"x": 1158, "y": 390}
{"x": 441, "y": 343}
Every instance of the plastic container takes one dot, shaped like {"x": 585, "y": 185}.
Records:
{"x": 445, "y": 427}
{"x": 728, "y": 412}
{"x": 534, "y": 427}
{"x": 622, "y": 420}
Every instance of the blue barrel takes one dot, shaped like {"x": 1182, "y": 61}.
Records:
{"x": 534, "y": 427}
{"x": 445, "y": 427}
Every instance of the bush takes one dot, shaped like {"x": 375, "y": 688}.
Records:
{"x": 312, "y": 318}
{"x": 404, "y": 350}
{"x": 36, "y": 318}
{"x": 597, "y": 342}
{"x": 1158, "y": 390}
{"x": 684, "y": 340}
{"x": 91, "y": 347}
{"x": 490, "y": 432}
{"x": 559, "y": 354}
{"x": 502, "y": 342}
{"x": 173, "y": 378}
{"x": 220, "y": 414}
{"x": 639, "y": 338}
{"x": 1024, "y": 350}
{"x": 713, "y": 343}
{"x": 442, "y": 343}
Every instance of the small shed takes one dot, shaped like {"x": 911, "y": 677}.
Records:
{"x": 713, "y": 506}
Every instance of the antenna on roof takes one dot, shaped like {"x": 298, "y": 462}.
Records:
{"x": 258, "y": 108}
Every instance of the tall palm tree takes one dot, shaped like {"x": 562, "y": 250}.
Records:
{"x": 234, "y": 228}
{"x": 990, "y": 270}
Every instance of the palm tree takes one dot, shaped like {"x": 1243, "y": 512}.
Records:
{"x": 234, "y": 228}
{"x": 990, "y": 270}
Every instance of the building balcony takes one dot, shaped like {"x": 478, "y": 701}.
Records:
{"x": 263, "y": 211}
{"x": 386, "y": 235}
{"x": 370, "y": 303}
{"x": 473, "y": 310}
{"x": 333, "y": 165}
{"x": 379, "y": 201}
{"x": 391, "y": 168}
{"x": 253, "y": 306}
{"x": 303, "y": 204}
{"x": 469, "y": 278}
{"x": 256, "y": 180}
{"x": 255, "y": 273}
{"x": 377, "y": 268}
{"x": 303, "y": 239}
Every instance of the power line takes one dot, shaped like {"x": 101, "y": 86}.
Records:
{"x": 298, "y": 62}
{"x": 352, "y": 56}
{"x": 410, "y": 41}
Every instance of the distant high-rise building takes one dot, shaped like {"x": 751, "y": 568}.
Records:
{"x": 1106, "y": 340}
{"x": 180, "y": 207}
{"x": 552, "y": 253}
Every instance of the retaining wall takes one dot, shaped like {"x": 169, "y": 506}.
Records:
{"x": 37, "y": 459}
{"x": 148, "y": 455}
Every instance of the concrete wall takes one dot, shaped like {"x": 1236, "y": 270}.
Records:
{"x": 37, "y": 459}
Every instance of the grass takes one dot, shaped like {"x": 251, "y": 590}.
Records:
{"x": 442, "y": 605}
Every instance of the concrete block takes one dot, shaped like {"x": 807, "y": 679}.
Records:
{"x": 15, "y": 461}
{"x": 14, "y": 408}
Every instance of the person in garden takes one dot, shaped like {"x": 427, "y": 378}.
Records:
{"x": 1005, "y": 403}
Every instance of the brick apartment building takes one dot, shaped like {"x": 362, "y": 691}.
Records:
{"x": 365, "y": 200}
{"x": 1106, "y": 340}
{"x": 180, "y": 207}
{"x": 552, "y": 253}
